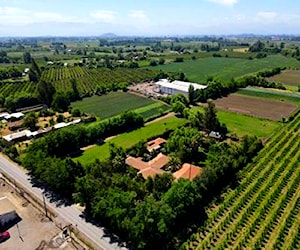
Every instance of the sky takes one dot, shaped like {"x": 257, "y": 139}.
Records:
{"x": 148, "y": 17}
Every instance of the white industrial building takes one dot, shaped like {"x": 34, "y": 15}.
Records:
{"x": 176, "y": 87}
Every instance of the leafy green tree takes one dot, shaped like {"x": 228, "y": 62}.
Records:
{"x": 191, "y": 94}
{"x": 178, "y": 107}
{"x": 35, "y": 68}
{"x": 211, "y": 122}
{"x": 76, "y": 113}
{"x": 186, "y": 143}
{"x": 60, "y": 102}
{"x": 257, "y": 47}
{"x": 45, "y": 92}
{"x": 30, "y": 121}
{"x": 27, "y": 57}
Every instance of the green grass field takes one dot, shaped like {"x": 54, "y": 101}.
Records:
{"x": 111, "y": 104}
{"x": 226, "y": 68}
{"x": 152, "y": 110}
{"x": 241, "y": 125}
{"x": 127, "y": 140}
{"x": 279, "y": 95}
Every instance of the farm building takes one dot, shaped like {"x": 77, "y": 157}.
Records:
{"x": 13, "y": 116}
{"x": 176, "y": 87}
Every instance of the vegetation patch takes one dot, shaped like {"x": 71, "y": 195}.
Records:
{"x": 111, "y": 104}
{"x": 279, "y": 95}
{"x": 242, "y": 125}
{"x": 90, "y": 81}
{"x": 227, "y": 68}
{"x": 258, "y": 107}
{"x": 127, "y": 140}
{"x": 264, "y": 206}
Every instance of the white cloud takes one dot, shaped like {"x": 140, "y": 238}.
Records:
{"x": 225, "y": 2}
{"x": 18, "y": 16}
{"x": 139, "y": 16}
{"x": 106, "y": 16}
{"x": 266, "y": 16}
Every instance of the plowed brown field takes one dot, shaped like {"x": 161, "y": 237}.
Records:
{"x": 274, "y": 110}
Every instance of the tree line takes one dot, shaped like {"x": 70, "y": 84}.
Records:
{"x": 156, "y": 213}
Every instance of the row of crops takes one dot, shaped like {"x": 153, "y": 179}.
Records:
{"x": 16, "y": 87}
{"x": 263, "y": 212}
{"x": 88, "y": 80}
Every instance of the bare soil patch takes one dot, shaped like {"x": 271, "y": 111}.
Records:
{"x": 274, "y": 110}
{"x": 289, "y": 77}
{"x": 35, "y": 231}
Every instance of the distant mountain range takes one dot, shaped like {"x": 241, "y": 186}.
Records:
{"x": 108, "y": 35}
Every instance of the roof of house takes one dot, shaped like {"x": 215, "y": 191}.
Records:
{"x": 150, "y": 172}
{"x": 13, "y": 115}
{"x": 188, "y": 171}
{"x": 155, "y": 144}
{"x": 136, "y": 163}
{"x": 17, "y": 135}
{"x": 159, "y": 161}
{"x": 179, "y": 85}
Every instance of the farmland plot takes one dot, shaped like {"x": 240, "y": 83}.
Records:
{"x": 274, "y": 110}
{"x": 263, "y": 211}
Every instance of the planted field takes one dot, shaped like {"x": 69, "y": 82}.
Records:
{"x": 248, "y": 125}
{"x": 289, "y": 77}
{"x": 88, "y": 80}
{"x": 263, "y": 211}
{"x": 10, "y": 88}
{"x": 111, "y": 104}
{"x": 275, "y": 94}
{"x": 153, "y": 110}
{"x": 242, "y": 125}
{"x": 127, "y": 140}
{"x": 226, "y": 68}
{"x": 274, "y": 110}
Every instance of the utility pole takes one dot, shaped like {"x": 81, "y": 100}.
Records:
{"x": 44, "y": 200}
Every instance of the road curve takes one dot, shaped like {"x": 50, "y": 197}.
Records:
{"x": 70, "y": 214}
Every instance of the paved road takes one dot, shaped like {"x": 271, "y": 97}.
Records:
{"x": 68, "y": 213}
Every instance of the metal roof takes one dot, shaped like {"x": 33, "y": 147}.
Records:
{"x": 179, "y": 85}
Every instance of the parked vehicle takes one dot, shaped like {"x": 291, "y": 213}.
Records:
{"x": 4, "y": 236}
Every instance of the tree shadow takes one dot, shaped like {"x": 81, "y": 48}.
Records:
{"x": 50, "y": 194}
{"x": 113, "y": 238}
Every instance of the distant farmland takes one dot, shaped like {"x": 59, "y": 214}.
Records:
{"x": 258, "y": 107}
{"x": 289, "y": 77}
{"x": 115, "y": 103}
{"x": 226, "y": 68}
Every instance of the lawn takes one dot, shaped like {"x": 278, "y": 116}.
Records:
{"x": 127, "y": 140}
{"x": 241, "y": 125}
{"x": 111, "y": 104}
{"x": 226, "y": 68}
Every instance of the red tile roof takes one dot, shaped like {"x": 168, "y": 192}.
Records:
{"x": 150, "y": 172}
{"x": 155, "y": 144}
{"x": 136, "y": 163}
{"x": 155, "y": 164}
{"x": 159, "y": 161}
{"x": 188, "y": 171}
